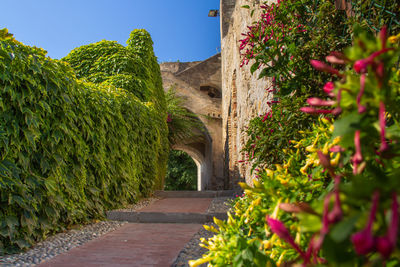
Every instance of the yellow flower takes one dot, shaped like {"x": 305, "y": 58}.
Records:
{"x": 194, "y": 263}
{"x": 335, "y": 161}
{"x": 394, "y": 39}
{"x": 279, "y": 262}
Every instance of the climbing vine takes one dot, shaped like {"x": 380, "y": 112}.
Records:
{"x": 71, "y": 149}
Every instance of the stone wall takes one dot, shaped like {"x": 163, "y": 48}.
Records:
{"x": 243, "y": 95}
{"x": 200, "y": 84}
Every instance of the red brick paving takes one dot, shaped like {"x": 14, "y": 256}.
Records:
{"x": 195, "y": 205}
{"x": 131, "y": 245}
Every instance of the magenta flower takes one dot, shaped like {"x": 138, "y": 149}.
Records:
{"x": 319, "y": 65}
{"x": 325, "y": 162}
{"x": 337, "y": 58}
{"x": 315, "y": 111}
{"x": 169, "y": 118}
{"x": 314, "y": 101}
{"x": 361, "y": 108}
{"x": 363, "y": 240}
{"x": 360, "y": 66}
{"x": 280, "y": 230}
{"x": 328, "y": 88}
{"x": 386, "y": 244}
{"x": 383, "y": 36}
{"x": 336, "y": 214}
{"x": 336, "y": 149}
{"x": 357, "y": 158}
{"x": 382, "y": 124}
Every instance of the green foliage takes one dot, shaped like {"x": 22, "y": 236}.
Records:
{"x": 182, "y": 124}
{"x": 140, "y": 44}
{"x": 374, "y": 14}
{"x": 70, "y": 150}
{"x": 269, "y": 136}
{"x": 312, "y": 204}
{"x": 133, "y": 68}
{"x": 289, "y": 34}
{"x": 181, "y": 172}
{"x": 287, "y": 182}
{"x": 111, "y": 63}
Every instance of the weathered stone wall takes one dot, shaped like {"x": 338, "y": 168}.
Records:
{"x": 200, "y": 84}
{"x": 243, "y": 95}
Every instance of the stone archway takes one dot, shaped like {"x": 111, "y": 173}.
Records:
{"x": 199, "y": 83}
{"x": 203, "y": 165}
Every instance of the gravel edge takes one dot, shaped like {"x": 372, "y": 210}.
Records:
{"x": 192, "y": 250}
{"x": 63, "y": 242}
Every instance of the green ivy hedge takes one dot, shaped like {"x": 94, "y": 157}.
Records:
{"x": 71, "y": 149}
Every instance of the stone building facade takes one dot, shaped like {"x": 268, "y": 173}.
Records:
{"x": 243, "y": 95}
{"x": 199, "y": 83}
{"x": 225, "y": 96}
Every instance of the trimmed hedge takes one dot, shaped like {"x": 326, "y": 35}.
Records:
{"x": 72, "y": 149}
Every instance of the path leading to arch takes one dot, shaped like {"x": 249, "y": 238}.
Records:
{"x": 131, "y": 245}
{"x": 144, "y": 244}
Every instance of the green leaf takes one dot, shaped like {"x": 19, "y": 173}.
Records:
{"x": 343, "y": 229}
{"x": 254, "y": 67}
{"x": 347, "y": 125}
{"x": 309, "y": 222}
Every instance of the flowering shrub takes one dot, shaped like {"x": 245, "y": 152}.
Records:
{"x": 270, "y": 135}
{"x": 365, "y": 100}
{"x": 245, "y": 235}
{"x": 287, "y": 36}
{"x": 334, "y": 200}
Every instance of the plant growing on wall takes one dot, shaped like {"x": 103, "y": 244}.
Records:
{"x": 182, "y": 124}
{"x": 72, "y": 149}
{"x": 339, "y": 205}
{"x": 329, "y": 196}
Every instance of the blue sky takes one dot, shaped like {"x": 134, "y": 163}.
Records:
{"x": 181, "y": 29}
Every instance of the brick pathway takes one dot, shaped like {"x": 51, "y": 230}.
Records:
{"x": 138, "y": 244}
{"x": 131, "y": 245}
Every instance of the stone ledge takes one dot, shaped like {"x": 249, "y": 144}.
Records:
{"x": 194, "y": 194}
{"x": 163, "y": 217}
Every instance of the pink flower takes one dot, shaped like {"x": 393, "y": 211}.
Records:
{"x": 169, "y": 118}
{"x": 360, "y": 66}
{"x": 361, "y": 108}
{"x": 325, "y": 162}
{"x": 363, "y": 240}
{"x": 336, "y": 214}
{"x": 334, "y": 60}
{"x": 336, "y": 149}
{"x": 380, "y": 72}
{"x": 383, "y": 36}
{"x": 314, "y": 101}
{"x": 280, "y": 230}
{"x": 357, "y": 158}
{"x": 324, "y": 67}
{"x": 382, "y": 124}
{"x": 328, "y": 88}
{"x": 315, "y": 111}
{"x": 386, "y": 244}
{"x": 337, "y": 58}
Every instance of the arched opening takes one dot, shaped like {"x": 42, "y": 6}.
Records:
{"x": 204, "y": 164}
{"x": 211, "y": 90}
{"x": 182, "y": 172}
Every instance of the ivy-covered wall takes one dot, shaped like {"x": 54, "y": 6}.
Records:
{"x": 71, "y": 149}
